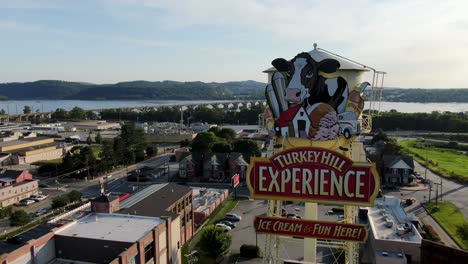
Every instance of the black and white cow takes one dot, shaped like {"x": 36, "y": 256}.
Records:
{"x": 305, "y": 86}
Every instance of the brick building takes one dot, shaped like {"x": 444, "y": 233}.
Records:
{"x": 16, "y": 186}
{"x": 164, "y": 200}
{"x": 81, "y": 236}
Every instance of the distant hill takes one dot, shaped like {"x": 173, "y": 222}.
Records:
{"x": 134, "y": 90}
{"x": 144, "y": 90}
{"x": 419, "y": 95}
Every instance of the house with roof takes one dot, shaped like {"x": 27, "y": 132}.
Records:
{"x": 16, "y": 186}
{"x": 293, "y": 122}
{"x": 219, "y": 167}
{"x": 397, "y": 170}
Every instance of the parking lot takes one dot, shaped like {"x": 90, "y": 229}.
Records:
{"x": 290, "y": 248}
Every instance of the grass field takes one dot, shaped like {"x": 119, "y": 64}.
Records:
{"x": 448, "y": 163}
{"x": 217, "y": 215}
{"x": 448, "y": 216}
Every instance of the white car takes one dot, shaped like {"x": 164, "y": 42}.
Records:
{"x": 232, "y": 217}
{"x": 26, "y": 202}
{"x": 223, "y": 226}
{"x": 39, "y": 198}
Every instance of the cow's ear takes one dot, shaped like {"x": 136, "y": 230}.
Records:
{"x": 281, "y": 65}
{"x": 328, "y": 65}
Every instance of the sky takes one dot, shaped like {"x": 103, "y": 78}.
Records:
{"x": 420, "y": 43}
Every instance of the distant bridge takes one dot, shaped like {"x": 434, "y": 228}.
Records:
{"x": 236, "y": 104}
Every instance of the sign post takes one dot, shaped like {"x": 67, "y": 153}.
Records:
{"x": 314, "y": 117}
{"x": 235, "y": 180}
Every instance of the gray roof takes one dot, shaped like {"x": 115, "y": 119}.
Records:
{"x": 320, "y": 54}
{"x": 154, "y": 200}
{"x": 11, "y": 174}
{"x": 390, "y": 160}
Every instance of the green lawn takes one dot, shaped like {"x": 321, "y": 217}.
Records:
{"x": 449, "y": 217}
{"x": 218, "y": 214}
{"x": 448, "y": 163}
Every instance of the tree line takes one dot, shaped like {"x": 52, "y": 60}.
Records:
{"x": 434, "y": 121}
{"x": 128, "y": 148}
{"x": 166, "y": 114}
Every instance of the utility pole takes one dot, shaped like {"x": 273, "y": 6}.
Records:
{"x": 425, "y": 171}
{"x": 441, "y": 189}
{"x": 437, "y": 192}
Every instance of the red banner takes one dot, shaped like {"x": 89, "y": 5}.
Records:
{"x": 310, "y": 229}
{"x": 235, "y": 180}
{"x": 313, "y": 175}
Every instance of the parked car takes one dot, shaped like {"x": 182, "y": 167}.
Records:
{"x": 293, "y": 216}
{"x": 223, "y": 226}
{"x": 15, "y": 240}
{"x": 38, "y": 198}
{"x": 232, "y": 217}
{"x": 26, "y": 202}
{"x": 40, "y": 212}
{"x": 228, "y": 223}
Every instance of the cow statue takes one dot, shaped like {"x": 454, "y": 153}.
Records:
{"x": 304, "y": 102}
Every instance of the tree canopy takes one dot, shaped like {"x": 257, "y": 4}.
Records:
{"x": 214, "y": 241}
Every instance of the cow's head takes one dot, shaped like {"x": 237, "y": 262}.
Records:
{"x": 302, "y": 73}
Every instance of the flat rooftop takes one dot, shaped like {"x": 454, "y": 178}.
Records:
{"x": 113, "y": 227}
{"x": 386, "y": 210}
{"x": 21, "y": 141}
{"x": 93, "y": 123}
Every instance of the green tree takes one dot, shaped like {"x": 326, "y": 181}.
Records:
{"x": 5, "y": 211}
{"x": 247, "y": 147}
{"x": 214, "y": 242}
{"x": 221, "y": 147}
{"x": 90, "y": 115}
{"x": 19, "y": 218}
{"x": 203, "y": 142}
{"x": 74, "y": 196}
{"x": 60, "y": 201}
{"x": 227, "y": 133}
{"x": 2, "y": 112}
{"x": 60, "y": 114}
{"x": 89, "y": 140}
{"x": 151, "y": 151}
{"x": 98, "y": 138}
{"x": 27, "y": 109}
{"x": 215, "y": 130}
{"x": 184, "y": 143}
{"x": 107, "y": 156}
{"x": 77, "y": 113}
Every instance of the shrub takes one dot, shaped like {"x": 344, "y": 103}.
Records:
{"x": 74, "y": 196}
{"x": 19, "y": 218}
{"x": 462, "y": 231}
{"x": 5, "y": 211}
{"x": 60, "y": 201}
{"x": 431, "y": 233}
{"x": 249, "y": 251}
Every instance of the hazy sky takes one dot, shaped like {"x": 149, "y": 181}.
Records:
{"x": 420, "y": 43}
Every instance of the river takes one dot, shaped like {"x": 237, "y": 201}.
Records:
{"x": 16, "y": 106}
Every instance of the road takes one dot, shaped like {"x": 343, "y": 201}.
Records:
{"x": 451, "y": 191}
{"x": 116, "y": 179}
{"x": 89, "y": 189}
